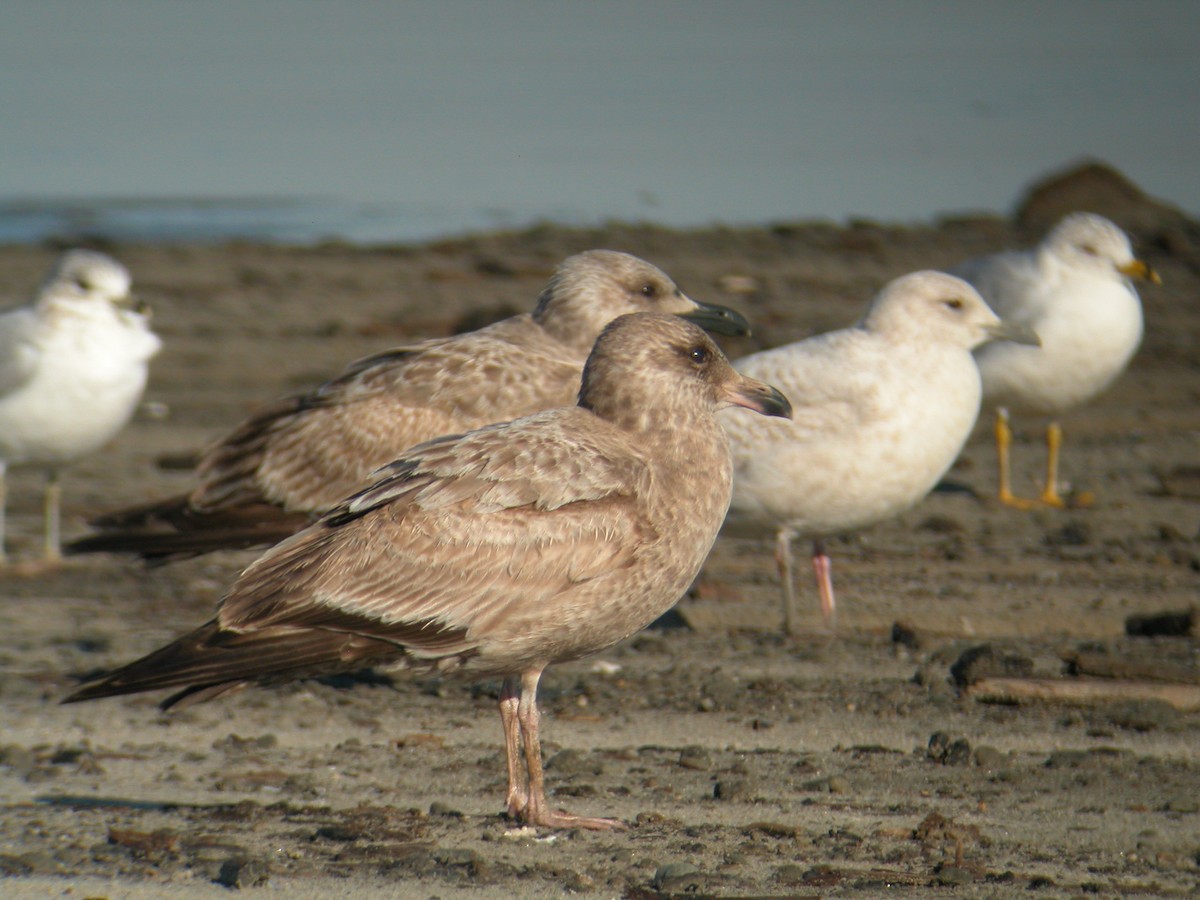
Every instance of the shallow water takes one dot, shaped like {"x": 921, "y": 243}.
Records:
{"x": 378, "y": 121}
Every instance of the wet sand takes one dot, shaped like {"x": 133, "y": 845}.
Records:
{"x": 746, "y": 763}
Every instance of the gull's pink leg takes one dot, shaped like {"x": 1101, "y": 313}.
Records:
{"x": 518, "y": 786}
{"x": 823, "y": 569}
{"x": 536, "y": 811}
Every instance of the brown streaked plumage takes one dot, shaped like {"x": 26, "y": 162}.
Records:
{"x": 295, "y": 459}
{"x": 497, "y": 552}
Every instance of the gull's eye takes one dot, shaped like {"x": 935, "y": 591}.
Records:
{"x": 649, "y": 291}
{"x": 1090, "y": 250}
{"x": 698, "y": 355}
{"x": 955, "y": 303}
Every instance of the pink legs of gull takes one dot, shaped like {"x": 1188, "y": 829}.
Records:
{"x": 822, "y": 569}
{"x": 526, "y": 789}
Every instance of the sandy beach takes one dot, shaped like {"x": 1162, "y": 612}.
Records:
{"x": 872, "y": 760}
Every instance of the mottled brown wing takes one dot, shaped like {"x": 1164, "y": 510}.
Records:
{"x": 310, "y": 452}
{"x": 456, "y": 535}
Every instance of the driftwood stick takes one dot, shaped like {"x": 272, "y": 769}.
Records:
{"x": 1105, "y": 665}
{"x": 1083, "y": 691}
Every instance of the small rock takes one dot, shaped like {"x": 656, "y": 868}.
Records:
{"x": 239, "y": 872}
{"x": 695, "y": 758}
{"x": 790, "y": 874}
{"x": 1181, "y": 623}
{"x": 339, "y": 833}
{"x": 732, "y": 789}
{"x": 235, "y": 743}
{"x": 151, "y": 845}
{"x": 579, "y": 883}
{"x": 958, "y": 753}
{"x": 938, "y": 745}
{"x": 822, "y": 876}
{"x": 772, "y": 829}
{"x": 985, "y": 661}
{"x": 438, "y": 808}
{"x": 453, "y": 856}
{"x": 675, "y": 877}
{"x": 905, "y": 634}
{"x": 1183, "y": 806}
{"x": 838, "y": 785}
{"x": 93, "y": 643}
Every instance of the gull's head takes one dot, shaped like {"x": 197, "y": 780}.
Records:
{"x": 591, "y": 289}
{"x": 650, "y": 369}
{"x": 932, "y": 308}
{"x": 1091, "y": 243}
{"x": 85, "y": 275}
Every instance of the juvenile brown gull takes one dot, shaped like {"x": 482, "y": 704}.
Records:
{"x": 881, "y": 411}
{"x": 73, "y": 365}
{"x": 1074, "y": 290}
{"x": 295, "y": 459}
{"x": 497, "y": 552}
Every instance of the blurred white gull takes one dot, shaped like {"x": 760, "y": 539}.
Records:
{"x": 881, "y": 410}
{"x": 1074, "y": 290}
{"x": 73, "y": 366}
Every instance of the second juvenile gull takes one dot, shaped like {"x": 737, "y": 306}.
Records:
{"x": 881, "y": 410}
{"x": 498, "y": 552}
{"x": 295, "y": 459}
{"x": 1074, "y": 290}
{"x": 73, "y": 365}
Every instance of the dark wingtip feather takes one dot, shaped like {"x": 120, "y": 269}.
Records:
{"x": 193, "y": 534}
{"x": 211, "y": 661}
{"x": 170, "y": 666}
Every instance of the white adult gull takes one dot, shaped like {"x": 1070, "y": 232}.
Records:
{"x": 73, "y": 366}
{"x": 881, "y": 410}
{"x": 498, "y": 552}
{"x": 1074, "y": 290}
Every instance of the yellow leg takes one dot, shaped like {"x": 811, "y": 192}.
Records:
{"x": 1050, "y": 495}
{"x": 1003, "y": 444}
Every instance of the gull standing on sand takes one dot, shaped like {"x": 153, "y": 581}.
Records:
{"x": 1074, "y": 290}
{"x": 295, "y": 459}
{"x": 73, "y": 365}
{"x": 498, "y": 552}
{"x": 881, "y": 410}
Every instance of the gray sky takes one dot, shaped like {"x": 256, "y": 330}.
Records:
{"x": 682, "y": 112}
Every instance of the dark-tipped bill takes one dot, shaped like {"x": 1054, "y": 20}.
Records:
{"x": 1015, "y": 332}
{"x": 718, "y": 319}
{"x": 760, "y": 397}
{"x": 1140, "y": 270}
